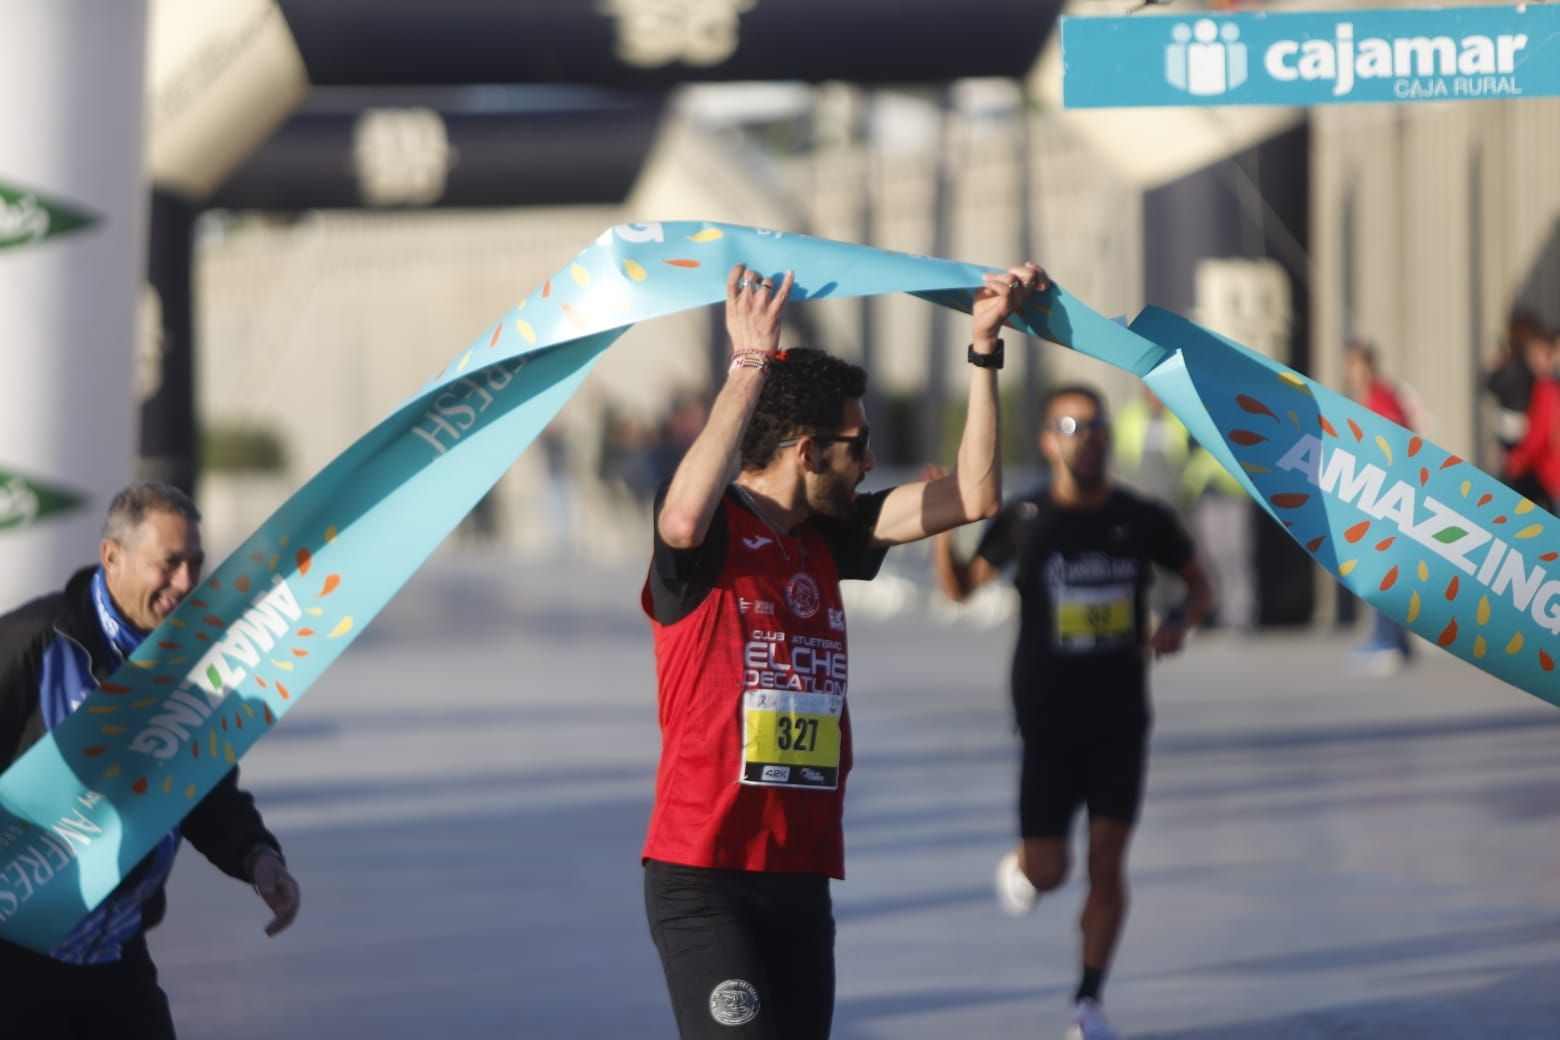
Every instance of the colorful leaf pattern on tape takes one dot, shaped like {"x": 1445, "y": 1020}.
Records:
{"x": 393, "y": 496}
{"x": 1423, "y": 511}
{"x": 214, "y": 682}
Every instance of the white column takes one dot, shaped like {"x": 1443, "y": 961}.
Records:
{"x": 72, "y": 248}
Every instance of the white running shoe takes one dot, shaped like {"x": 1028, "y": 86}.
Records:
{"x": 1015, "y": 895}
{"x": 1089, "y": 1022}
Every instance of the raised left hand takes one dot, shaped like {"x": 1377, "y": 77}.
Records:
{"x": 1003, "y": 295}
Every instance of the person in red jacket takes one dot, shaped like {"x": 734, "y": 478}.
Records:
{"x": 1537, "y": 454}
{"x": 1388, "y": 649}
{"x": 1369, "y": 387}
{"x": 753, "y": 534}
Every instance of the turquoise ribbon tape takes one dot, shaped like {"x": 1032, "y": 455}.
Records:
{"x": 1423, "y": 535}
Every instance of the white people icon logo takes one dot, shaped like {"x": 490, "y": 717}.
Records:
{"x": 1204, "y": 59}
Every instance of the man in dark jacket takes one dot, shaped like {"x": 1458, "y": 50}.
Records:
{"x": 100, "y": 981}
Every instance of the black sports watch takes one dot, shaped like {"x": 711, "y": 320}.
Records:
{"x": 992, "y": 360}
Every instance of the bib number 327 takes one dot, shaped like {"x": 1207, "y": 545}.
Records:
{"x": 791, "y": 739}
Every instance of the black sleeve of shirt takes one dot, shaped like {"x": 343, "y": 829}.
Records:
{"x": 999, "y": 542}
{"x": 681, "y": 578}
{"x": 850, "y": 538}
{"x": 225, "y": 827}
{"x": 1169, "y": 545}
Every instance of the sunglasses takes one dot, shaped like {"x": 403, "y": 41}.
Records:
{"x": 1069, "y": 426}
{"x": 856, "y": 444}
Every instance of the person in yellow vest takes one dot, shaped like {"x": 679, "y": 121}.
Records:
{"x": 1151, "y": 447}
{"x": 1224, "y": 525}
{"x": 1158, "y": 457}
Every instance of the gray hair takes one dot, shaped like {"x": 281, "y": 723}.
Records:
{"x": 131, "y": 505}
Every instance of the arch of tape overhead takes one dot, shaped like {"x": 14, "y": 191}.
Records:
{"x": 1449, "y": 551}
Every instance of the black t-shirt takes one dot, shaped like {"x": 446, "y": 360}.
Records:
{"x": 1083, "y": 577}
{"x": 681, "y": 578}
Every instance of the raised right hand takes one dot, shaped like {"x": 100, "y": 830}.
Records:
{"x": 753, "y": 306}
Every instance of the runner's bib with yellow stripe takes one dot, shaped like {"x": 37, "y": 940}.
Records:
{"x": 791, "y": 739}
{"x": 1091, "y": 618}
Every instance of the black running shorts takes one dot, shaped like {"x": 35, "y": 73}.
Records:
{"x": 1065, "y": 767}
{"x": 748, "y": 955}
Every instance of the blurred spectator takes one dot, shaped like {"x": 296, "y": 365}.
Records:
{"x": 678, "y": 431}
{"x": 1534, "y": 462}
{"x": 1388, "y": 649}
{"x": 562, "y": 496}
{"x": 628, "y": 457}
{"x": 1222, "y": 523}
{"x": 1510, "y": 379}
{"x": 1151, "y": 447}
{"x": 1158, "y": 457}
{"x": 1368, "y": 386}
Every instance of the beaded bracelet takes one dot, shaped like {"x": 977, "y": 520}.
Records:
{"x": 758, "y": 359}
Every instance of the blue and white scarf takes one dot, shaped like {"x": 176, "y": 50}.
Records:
{"x": 122, "y": 636}
{"x": 100, "y": 937}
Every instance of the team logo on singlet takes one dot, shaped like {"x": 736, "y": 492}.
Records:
{"x": 801, "y": 594}
{"x": 734, "y": 1002}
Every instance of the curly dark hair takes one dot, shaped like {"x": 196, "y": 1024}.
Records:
{"x": 804, "y": 393}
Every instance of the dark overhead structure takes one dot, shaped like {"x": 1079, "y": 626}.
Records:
{"x": 536, "y": 147}
{"x": 473, "y": 71}
{"x": 632, "y": 43}
{"x": 559, "y": 147}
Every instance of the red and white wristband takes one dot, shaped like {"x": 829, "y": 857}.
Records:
{"x": 756, "y": 359}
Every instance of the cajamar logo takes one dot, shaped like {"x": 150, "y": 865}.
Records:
{"x": 24, "y": 501}
{"x": 27, "y": 218}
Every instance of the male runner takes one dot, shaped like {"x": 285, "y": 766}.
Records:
{"x": 753, "y": 535}
{"x": 1083, "y": 551}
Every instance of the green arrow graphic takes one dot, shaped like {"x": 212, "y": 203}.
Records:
{"x": 27, "y": 217}
{"x": 24, "y": 501}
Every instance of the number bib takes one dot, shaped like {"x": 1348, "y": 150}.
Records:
{"x": 791, "y": 739}
{"x": 1094, "y": 617}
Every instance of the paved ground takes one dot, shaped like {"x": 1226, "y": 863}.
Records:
{"x": 464, "y": 795}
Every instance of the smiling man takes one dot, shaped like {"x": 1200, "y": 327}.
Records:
{"x": 100, "y": 981}
{"x": 754, "y": 533}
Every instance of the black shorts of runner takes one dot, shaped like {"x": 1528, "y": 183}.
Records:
{"x": 1064, "y": 768}
{"x": 747, "y": 955}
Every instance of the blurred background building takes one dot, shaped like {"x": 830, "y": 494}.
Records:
{"x": 346, "y": 193}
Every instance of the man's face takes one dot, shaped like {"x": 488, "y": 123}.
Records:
{"x": 845, "y": 458}
{"x": 154, "y": 569}
{"x": 1077, "y": 439}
